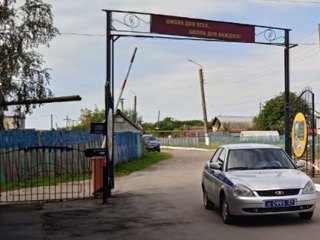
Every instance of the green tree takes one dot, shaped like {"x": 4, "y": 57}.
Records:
{"x": 168, "y": 123}
{"x": 23, "y": 29}
{"x": 132, "y": 115}
{"x": 148, "y": 126}
{"x": 225, "y": 127}
{"x": 88, "y": 116}
{"x": 171, "y": 126}
{"x": 271, "y": 116}
{"x": 192, "y": 123}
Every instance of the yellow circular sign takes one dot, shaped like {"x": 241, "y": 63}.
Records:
{"x": 299, "y": 135}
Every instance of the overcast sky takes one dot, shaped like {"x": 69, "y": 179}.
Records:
{"x": 238, "y": 77}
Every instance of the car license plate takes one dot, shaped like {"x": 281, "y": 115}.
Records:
{"x": 280, "y": 203}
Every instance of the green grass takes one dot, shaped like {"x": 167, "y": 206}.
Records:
{"x": 34, "y": 181}
{"x": 136, "y": 164}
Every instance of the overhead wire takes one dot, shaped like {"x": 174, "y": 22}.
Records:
{"x": 266, "y": 68}
{"x": 243, "y": 69}
{"x": 82, "y": 34}
{"x": 292, "y": 1}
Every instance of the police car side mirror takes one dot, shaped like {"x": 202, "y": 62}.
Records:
{"x": 300, "y": 163}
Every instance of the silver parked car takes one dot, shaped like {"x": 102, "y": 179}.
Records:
{"x": 151, "y": 143}
{"x": 256, "y": 179}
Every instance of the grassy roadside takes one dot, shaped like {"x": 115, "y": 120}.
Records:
{"x": 41, "y": 181}
{"x": 148, "y": 158}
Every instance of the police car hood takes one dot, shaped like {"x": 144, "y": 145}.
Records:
{"x": 269, "y": 179}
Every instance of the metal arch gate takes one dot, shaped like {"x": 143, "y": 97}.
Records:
{"x": 148, "y": 25}
{"x": 305, "y": 104}
{"x": 46, "y": 173}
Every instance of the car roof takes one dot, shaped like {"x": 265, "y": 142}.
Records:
{"x": 249, "y": 146}
{"x": 148, "y": 136}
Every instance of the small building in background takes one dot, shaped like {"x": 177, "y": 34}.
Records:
{"x": 193, "y": 131}
{"x": 124, "y": 124}
{"x": 126, "y": 131}
{"x": 8, "y": 123}
{"x": 232, "y": 124}
{"x": 260, "y": 136}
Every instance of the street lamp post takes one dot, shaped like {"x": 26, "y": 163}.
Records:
{"x": 203, "y": 101}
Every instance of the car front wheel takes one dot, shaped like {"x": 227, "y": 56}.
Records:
{"x": 225, "y": 213}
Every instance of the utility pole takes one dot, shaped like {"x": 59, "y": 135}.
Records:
{"x": 51, "y": 118}
{"x": 204, "y": 109}
{"x": 203, "y": 103}
{"x": 135, "y": 114}
{"x": 135, "y": 117}
{"x": 67, "y": 119}
{"x": 121, "y": 102}
{"x": 158, "y": 120}
{"x": 260, "y": 107}
{"x": 319, "y": 32}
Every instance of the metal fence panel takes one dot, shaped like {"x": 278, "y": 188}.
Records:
{"x": 44, "y": 174}
{"x": 51, "y": 165}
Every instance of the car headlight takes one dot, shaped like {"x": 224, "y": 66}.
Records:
{"x": 242, "y": 191}
{"x": 309, "y": 188}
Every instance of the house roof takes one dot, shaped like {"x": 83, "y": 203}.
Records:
{"x": 235, "y": 123}
{"x": 137, "y": 126}
{"x": 231, "y": 119}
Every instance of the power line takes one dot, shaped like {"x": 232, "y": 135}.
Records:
{"x": 237, "y": 103}
{"x": 306, "y": 83}
{"x": 103, "y": 35}
{"x": 292, "y": 1}
{"x": 309, "y": 44}
{"x": 261, "y": 70}
{"x": 83, "y": 34}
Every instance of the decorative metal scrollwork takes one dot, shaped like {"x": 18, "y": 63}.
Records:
{"x": 270, "y": 35}
{"x": 132, "y": 21}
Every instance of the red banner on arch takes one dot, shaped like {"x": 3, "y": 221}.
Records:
{"x": 199, "y": 28}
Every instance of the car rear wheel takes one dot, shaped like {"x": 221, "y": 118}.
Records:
{"x": 306, "y": 215}
{"x": 225, "y": 213}
{"x": 206, "y": 201}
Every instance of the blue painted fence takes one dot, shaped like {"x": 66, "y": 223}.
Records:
{"x": 14, "y": 139}
{"x": 127, "y": 145}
